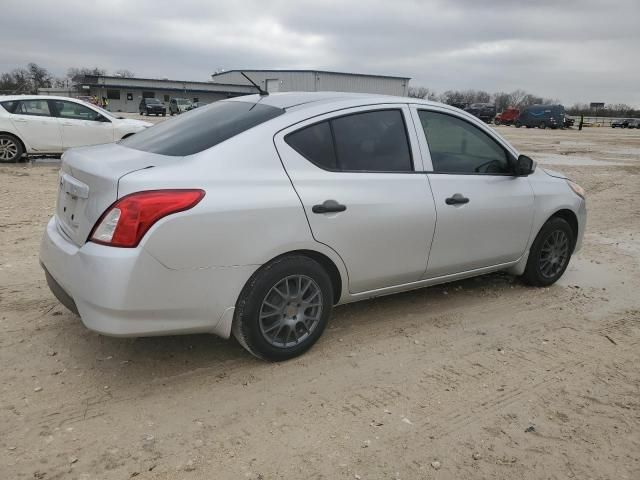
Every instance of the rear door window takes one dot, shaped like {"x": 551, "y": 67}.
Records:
{"x": 374, "y": 141}
{"x": 201, "y": 128}
{"x": 38, "y": 108}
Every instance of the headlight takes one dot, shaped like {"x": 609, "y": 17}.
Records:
{"x": 577, "y": 189}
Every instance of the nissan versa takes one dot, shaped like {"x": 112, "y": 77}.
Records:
{"x": 257, "y": 215}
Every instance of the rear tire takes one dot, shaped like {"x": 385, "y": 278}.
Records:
{"x": 550, "y": 253}
{"x": 542, "y": 125}
{"x": 284, "y": 308}
{"x": 11, "y": 148}
{"x": 518, "y": 124}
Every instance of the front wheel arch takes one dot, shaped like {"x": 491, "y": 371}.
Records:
{"x": 127, "y": 135}
{"x": 570, "y": 217}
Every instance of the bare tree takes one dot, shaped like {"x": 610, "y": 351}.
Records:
{"x": 40, "y": 76}
{"x": 502, "y": 101}
{"x": 123, "y": 72}
{"x": 516, "y": 97}
{"x": 422, "y": 92}
{"x": 25, "y": 80}
{"x": 76, "y": 74}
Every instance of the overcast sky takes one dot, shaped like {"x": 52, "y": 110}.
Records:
{"x": 576, "y": 51}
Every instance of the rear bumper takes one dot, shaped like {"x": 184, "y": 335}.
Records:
{"x": 127, "y": 292}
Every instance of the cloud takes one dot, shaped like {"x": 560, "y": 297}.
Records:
{"x": 572, "y": 50}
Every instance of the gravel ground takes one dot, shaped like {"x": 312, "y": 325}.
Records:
{"x": 483, "y": 378}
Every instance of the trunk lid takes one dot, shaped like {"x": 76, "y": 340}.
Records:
{"x": 88, "y": 184}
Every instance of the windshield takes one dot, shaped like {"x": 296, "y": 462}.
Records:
{"x": 201, "y": 128}
{"x": 152, "y": 100}
{"x": 182, "y": 101}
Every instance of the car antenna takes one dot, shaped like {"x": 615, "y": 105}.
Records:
{"x": 260, "y": 90}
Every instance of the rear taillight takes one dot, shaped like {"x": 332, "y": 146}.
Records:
{"x": 126, "y": 221}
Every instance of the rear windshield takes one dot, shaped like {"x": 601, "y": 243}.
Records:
{"x": 201, "y": 128}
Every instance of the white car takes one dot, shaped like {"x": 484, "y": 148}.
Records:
{"x": 37, "y": 125}
{"x": 256, "y": 215}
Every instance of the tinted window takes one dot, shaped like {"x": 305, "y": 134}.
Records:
{"x": 457, "y": 146}
{"x": 372, "y": 141}
{"x": 201, "y": 128}
{"x": 316, "y": 144}
{"x": 33, "y": 107}
{"x": 75, "y": 111}
{"x": 9, "y": 106}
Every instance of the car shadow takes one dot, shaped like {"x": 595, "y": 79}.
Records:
{"x": 164, "y": 359}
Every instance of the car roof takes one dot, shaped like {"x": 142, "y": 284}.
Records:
{"x": 290, "y": 100}
{"x": 4, "y": 98}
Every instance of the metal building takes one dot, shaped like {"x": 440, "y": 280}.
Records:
{"x": 124, "y": 94}
{"x": 316, "y": 81}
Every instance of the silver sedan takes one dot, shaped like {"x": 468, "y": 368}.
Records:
{"x": 257, "y": 215}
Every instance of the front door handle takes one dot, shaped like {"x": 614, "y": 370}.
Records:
{"x": 328, "y": 206}
{"x": 457, "y": 199}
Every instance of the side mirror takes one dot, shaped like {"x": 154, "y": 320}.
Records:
{"x": 524, "y": 166}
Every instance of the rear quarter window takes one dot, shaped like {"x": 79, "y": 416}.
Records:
{"x": 316, "y": 144}
{"x": 201, "y": 128}
{"x": 9, "y": 106}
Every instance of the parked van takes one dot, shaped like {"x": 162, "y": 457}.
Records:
{"x": 541, "y": 116}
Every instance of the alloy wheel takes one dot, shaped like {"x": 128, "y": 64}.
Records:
{"x": 8, "y": 149}
{"x": 290, "y": 311}
{"x": 554, "y": 254}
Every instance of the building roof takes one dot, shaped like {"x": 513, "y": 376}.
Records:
{"x": 309, "y": 71}
{"x": 110, "y": 81}
{"x": 117, "y": 77}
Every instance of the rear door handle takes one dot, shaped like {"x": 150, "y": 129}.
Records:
{"x": 328, "y": 206}
{"x": 457, "y": 199}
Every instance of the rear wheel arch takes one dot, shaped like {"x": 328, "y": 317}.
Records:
{"x": 20, "y": 142}
{"x": 323, "y": 260}
{"x": 24, "y": 147}
{"x": 247, "y": 325}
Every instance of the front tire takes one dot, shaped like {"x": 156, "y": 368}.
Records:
{"x": 550, "y": 253}
{"x": 11, "y": 149}
{"x": 284, "y": 308}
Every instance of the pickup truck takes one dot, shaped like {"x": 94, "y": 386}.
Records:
{"x": 507, "y": 117}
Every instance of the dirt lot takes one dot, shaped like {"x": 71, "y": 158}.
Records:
{"x": 483, "y": 378}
